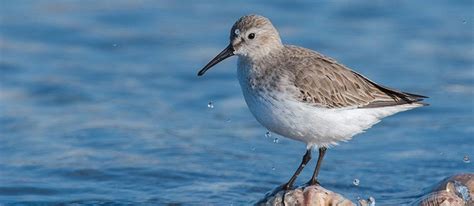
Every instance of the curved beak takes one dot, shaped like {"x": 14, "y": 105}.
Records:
{"x": 227, "y": 52}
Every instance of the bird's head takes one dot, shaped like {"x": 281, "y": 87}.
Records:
{"x": 252, "y": 37}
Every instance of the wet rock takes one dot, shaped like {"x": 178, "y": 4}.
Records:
{"x": 457, "y": 190}
{"x": 310, "y": 195}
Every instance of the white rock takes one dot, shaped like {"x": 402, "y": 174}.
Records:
{"x": 310, "y": 195}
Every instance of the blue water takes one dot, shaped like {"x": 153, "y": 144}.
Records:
{"x": 100, "y": 102}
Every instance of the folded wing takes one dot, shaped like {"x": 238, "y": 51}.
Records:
{"x": 329, "y": 84}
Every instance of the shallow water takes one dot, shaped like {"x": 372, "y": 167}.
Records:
{"x": 100, "y": 103}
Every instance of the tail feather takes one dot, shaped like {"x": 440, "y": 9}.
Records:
{"x": 407, "y": 97}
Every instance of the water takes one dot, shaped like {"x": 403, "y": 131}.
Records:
{"x": 356, "y": 182}
{"x": 268, "y": 134}
{"x": 100, "y": 102}
{"x": 210, "y": 105}
{"x": 466, "y": 159}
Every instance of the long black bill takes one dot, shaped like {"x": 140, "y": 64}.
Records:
{"x": 227, "y": 52}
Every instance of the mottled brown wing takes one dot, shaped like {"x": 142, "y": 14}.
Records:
{"x": 323, "y": 82}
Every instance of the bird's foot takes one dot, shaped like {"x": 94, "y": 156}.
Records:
{"x": 286, "y": 186}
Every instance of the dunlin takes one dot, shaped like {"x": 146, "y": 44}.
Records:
{"x": 304, "y": 95}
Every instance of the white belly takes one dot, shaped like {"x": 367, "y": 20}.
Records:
{"x": 280, "y": 113}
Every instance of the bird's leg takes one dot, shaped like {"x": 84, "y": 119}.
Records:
{"x": 314, "y": 180}
{"x": 304, "y": 161}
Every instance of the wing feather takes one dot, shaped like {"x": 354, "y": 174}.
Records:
{"x": 323, "y": 82}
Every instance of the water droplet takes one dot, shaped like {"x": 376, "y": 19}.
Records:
{"x": 114, "y": 45}
{"x": 228, "y": 120}
{"x": 466, "y": 159}
{"x": 371, "y": 201}
{"x": 268, "y": 134}
{"x": 464, "y": 21}
{"x": 273, "y": 168}
{"x": 356, "y": 182}
{"x": 210, "y": 105}
{"x": 253, "y": 148}
{"x": 276, "y": 140}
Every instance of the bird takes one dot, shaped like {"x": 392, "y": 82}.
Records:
{"x": 303, "y": 95}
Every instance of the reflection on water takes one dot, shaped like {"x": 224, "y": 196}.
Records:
{"x": 100, "y": 103}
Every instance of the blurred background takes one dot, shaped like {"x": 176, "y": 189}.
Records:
{"x": 100, "y": 102}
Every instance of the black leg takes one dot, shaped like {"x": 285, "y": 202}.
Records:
{"x": 314, "y": 179}
{"x": 304, "y": 161}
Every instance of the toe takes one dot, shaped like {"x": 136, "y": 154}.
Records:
{"x": 286, "y": 186}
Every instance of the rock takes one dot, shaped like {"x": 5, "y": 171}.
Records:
{"x": 310, "y": 195}
{"x": 457, "y": 190}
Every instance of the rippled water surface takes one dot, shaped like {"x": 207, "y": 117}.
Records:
{"x": 100, "y": 103}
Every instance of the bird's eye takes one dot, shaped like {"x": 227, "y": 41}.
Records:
{"x": 251, "y": 35}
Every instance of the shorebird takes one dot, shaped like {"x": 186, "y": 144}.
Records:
{"x": 303, "y": 95}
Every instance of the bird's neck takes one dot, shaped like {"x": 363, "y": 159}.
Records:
{"x": 264, "y": 55}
